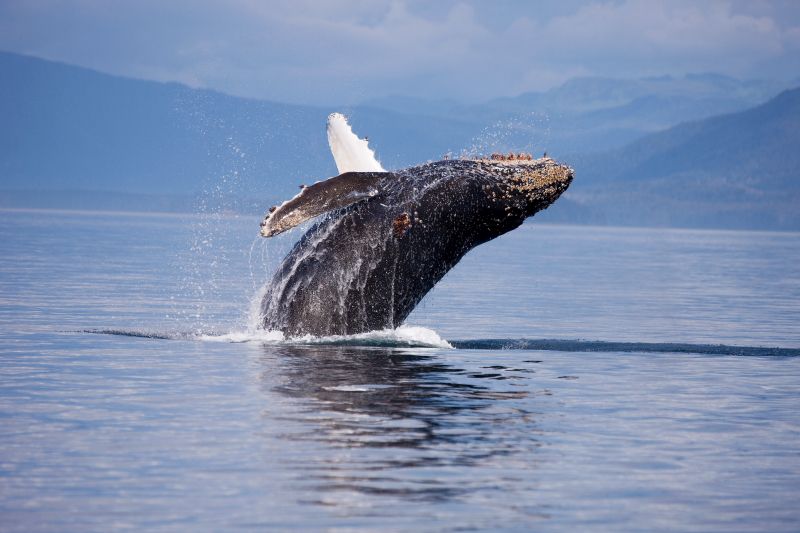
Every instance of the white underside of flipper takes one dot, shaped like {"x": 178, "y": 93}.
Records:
{"x": 350, "y": 153}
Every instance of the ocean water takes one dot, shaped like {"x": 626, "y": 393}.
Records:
{"x": 592, "y": 379}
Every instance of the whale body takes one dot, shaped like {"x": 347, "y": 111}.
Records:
{"x": 388, "y": 237}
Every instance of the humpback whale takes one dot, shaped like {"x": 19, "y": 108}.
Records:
{"x": 388, "y": 237}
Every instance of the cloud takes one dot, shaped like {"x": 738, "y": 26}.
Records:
{"x": 637, "y": 38}
{"x": 343, "y": 52}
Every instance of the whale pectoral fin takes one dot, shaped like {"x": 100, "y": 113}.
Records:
{"x": 351, "y": 153}
{"x": 314, "y": 200}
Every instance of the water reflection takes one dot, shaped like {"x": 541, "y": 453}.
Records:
{"x": 377, "y": 421}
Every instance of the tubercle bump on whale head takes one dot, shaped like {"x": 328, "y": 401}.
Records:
{"x": 522, "y": 183}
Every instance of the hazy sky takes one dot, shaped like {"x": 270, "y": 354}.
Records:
{"x": 348, "y": 51}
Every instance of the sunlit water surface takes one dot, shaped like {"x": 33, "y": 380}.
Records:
{"x": 188, "y": 430}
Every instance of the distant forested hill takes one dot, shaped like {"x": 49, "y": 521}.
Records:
{"x": 735, "y": 170}
{"x": 76, "y": 138}
{"x": 592, "y": 114}
{"x": 65, "y": 127}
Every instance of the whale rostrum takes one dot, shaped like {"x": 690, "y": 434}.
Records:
{"x": 389, "y": 237}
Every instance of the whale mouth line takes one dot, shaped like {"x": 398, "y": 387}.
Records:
{"x": 419, "y": 337}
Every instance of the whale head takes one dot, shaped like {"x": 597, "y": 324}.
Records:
{"x": 524, "y": 186}
{"x": 484, "y": 197}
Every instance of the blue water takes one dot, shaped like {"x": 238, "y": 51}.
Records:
{"x": 126, "y": 405}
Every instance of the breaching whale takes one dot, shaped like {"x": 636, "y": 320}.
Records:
{"x": 389, "y": 237}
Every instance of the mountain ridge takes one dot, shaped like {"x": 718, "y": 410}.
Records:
{"x": 739, "y": 170}
{"x": 69, "y": 128}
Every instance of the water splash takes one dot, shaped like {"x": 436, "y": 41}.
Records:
{"x": 411, "y": 336}
{"x": 402, "y": 337}
{"x": 206, "y": 264}
{"x": 528, "y": 132}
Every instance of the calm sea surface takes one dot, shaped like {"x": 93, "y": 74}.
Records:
{"x": 125, "y": 403}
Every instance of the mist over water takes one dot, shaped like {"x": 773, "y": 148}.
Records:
{"x": 188, "y": 417}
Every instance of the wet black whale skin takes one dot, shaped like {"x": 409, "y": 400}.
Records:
{"x": 366, "y": 266}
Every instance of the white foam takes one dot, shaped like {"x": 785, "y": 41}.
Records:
{"x": 357, "y": 388}
{"x": 404, "y": 336}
